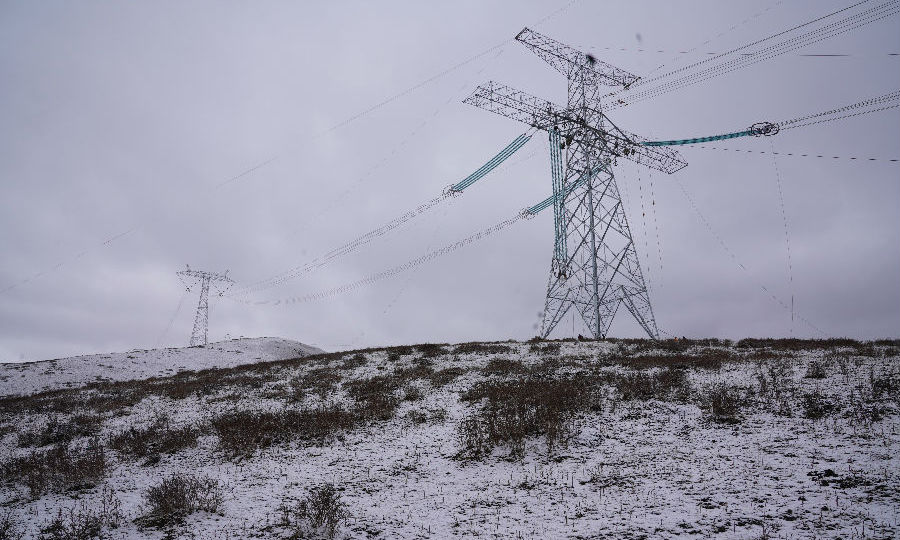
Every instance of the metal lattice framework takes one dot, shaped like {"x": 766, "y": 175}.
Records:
{"x": 199, "y": 336}
{"x": 595, "y": 268}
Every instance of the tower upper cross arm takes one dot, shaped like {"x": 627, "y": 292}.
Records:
{"x": 573, "y": 63}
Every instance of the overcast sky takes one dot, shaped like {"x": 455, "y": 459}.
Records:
{"x": 130, "y": 116}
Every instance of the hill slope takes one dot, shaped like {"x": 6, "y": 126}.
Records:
{"x": 31, "y": 377}
{"x": 616, "y": 439}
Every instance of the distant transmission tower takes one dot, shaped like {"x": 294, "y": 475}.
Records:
{"x": 595, "y": 268}
{"x": 201, "y": 321}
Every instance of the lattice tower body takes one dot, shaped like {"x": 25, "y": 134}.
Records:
{"x": 199, "y": 336}
{"x": 595, "y": 268}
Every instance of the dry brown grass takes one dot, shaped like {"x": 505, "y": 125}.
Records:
{"x": 503, "y": 367}
{"x": 157, "y": 438}
{"x": 511, "y": 411}
{"x": 57, "y": 469}
{"x": 178, "y": 496}
{"x": 243, "y": 432}
{"x": 62, "y": 432}
{"x": 445, "y": 376}
{"x": 482, "y": 348}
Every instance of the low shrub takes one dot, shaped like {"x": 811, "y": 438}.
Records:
{"x": 513, "y": 411}
{"x": 482, "y": 348}
{"x": 544, "y": 348}
{"x": 671, "y": 345}
{"x": 418, "y": 416}
{"x": 84, "y": 522}
{"x": 816, "y": 406}
{"x": 401, "y": 350}
{"x": 604, "y": 477}
{"x": 186, "y": 384}
{"x": 157, "y": 438}
{"x": 376, "y": 397}
{"x": 56, "y": 432}
{"x": 866, "y": 413}
{"x": 795, "y": 344}
{"x": 706, "y": 358}
{"x": 10, "y": 527}
{"x": 353, "y": 362}
{"x": 885, "y": 386}
{"x": 243, "y": 432}
{"x": 421, "y": 369}
{"x": 431, "y": 350}
{"x": 412, "y": 393}
{"x": 665, "y": 384}
{"x": 816, "y": 370}
{"x": 321, "y": 381}
{"x": 503, "y": 367}
{"x": 58, "y": 468}
{"x": 178, "y": 496}
{"x": 445, "y": 376}
{"x": 321, "y": 513}
{"x": 724, "y": 402}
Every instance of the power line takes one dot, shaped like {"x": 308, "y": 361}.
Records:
{"x": 171, "y": 319}
{"x": 813, "y": 36}
{"x": 732, "y": 51}
{"x": 391, "y": 271}
{"x": 720, "y": 34}
{"x": 794, "y": 154}
{"x": 787, "y": 238}
{"x": 737, "y": 261}
{"x": 808, "y": 55}
{"x": 272, "y": 159}
{"x": 360, "y": 241}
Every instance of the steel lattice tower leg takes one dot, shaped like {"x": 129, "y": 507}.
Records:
{"x": 201, "y": 321}
{"x": 602, "y": 270}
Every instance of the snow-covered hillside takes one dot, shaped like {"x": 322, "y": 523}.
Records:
{"x": 30, "y": 377}
{"x": 619, "y": 439}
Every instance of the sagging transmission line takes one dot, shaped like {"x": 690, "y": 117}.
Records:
{"x": 527, "y": 213}
{"x": 841, "y": 26}
{"x": 595, "y": 268}
{"x": 871, "y": 105}
{"x": 353, "y": 245}
{"x": 608, "y": 215}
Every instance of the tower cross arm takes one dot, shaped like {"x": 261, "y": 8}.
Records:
{"x": 212, "y": 276}
{"x": 571, "y": 62}
{"x": 516, "y": 104}
{"x": 631, "y": 147}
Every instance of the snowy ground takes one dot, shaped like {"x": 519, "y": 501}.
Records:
{"x": 30, "y": 377}
{"x": 811, "y": 451}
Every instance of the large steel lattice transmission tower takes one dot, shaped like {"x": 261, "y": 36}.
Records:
{"x": 201, "y": 321}
{"x": 595, "y": 268}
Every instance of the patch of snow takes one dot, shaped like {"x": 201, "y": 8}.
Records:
{"x": 636, "y": 469}
{"x": 30, "y": 377}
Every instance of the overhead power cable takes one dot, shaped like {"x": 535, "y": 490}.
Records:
{"x": 876, "y": 104}
{"x": 807, "y": 55}
{"x": 813, "y": 36}
{"x": 787, "y": 237}
{"x": 392, "y": 271}
{"x": 270, "y": 160}
{"x": 720, "y": 34}
{"x": 360, "y": 241}
{"x": 524, "y": 214}
{"x": 644, "y": 82}
{"x": 795, "y": 154}
{"x": 734, "y": 258}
